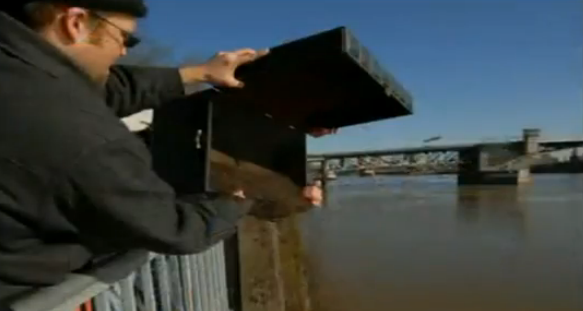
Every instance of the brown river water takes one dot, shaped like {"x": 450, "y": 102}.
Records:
{"x": 423, "y": 244}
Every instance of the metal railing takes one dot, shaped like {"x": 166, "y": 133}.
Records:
{"x": 140, "y": 281}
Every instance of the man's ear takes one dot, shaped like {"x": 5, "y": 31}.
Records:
{"x": 77, "y": 24}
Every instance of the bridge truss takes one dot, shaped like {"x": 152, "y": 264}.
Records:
{"x": 500, "y": 157}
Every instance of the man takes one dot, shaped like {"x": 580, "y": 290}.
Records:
{"x": 75, "y": 183}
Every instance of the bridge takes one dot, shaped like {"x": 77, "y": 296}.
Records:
{"x": 472, "y": 161}
{"x": 544, "y": 146}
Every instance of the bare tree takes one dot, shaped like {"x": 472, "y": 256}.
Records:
{"x": 153, "y": 53}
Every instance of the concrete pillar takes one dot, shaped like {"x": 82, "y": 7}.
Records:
{"x": 272, "y": 265}
{"x": 471, "y": 166}
{"x": 262, "y": 285}
{"x": 474, "y": 169}
{"x": 324, "y": 172}
{"x": 530, "y": 140}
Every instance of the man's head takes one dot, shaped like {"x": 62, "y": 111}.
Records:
{"x": 94, "y": 33}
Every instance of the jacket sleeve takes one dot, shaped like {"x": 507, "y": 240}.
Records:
{"x": 131, "y": 89}
{"x": 121, "y": 202}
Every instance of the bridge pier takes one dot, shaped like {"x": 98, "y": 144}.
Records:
{"x": 324, "y": 173}
{"x": 474, "y": 169}
{"x": 530, "y": 138}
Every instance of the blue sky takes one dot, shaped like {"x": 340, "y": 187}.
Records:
{"x": 477, "y": 69}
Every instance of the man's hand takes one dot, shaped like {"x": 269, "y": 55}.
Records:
{"x": 313, "y": 194}
{"x": 239, "y": 194}
{"x": 220, "y": 69}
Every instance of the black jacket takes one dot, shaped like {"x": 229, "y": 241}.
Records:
{"x": 75, "y": 183}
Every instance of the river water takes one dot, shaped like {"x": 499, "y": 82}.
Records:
{"x": 421, "y": 244}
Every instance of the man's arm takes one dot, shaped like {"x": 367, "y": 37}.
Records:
{"x": 119, "y": 201}
{"x": 131, "y": 89}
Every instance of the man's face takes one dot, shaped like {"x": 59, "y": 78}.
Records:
{"x": 98, "y": 40}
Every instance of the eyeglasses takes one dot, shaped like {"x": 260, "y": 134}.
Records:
{"x": 129, "y": 40}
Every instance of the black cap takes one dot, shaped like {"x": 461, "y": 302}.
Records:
{"x": 136, "y": 8}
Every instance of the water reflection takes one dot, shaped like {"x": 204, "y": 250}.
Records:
{"x": 495, "y": 208}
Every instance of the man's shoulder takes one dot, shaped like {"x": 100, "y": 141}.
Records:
{"x": 25, "y": 82}
{"x": 46, "y": 122}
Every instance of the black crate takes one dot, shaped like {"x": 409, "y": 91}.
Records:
{"x": 325, "y": 80}
{"x": 189, "y": 135}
